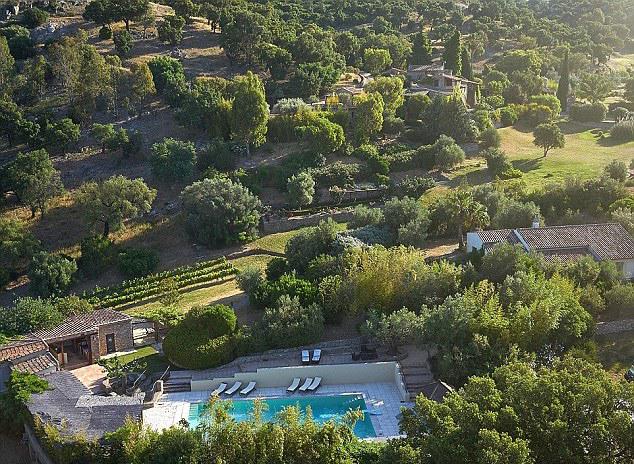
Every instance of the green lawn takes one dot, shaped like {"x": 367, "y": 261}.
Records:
{"x": 153, "y": 361}
{"x": 584, "y": 156}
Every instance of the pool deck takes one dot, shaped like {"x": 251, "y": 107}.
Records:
{"x": 382, "y": 399}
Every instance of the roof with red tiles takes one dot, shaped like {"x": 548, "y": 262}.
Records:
{"x": 20, "y": 348}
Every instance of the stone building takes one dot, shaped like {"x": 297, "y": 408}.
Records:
{"x": 83, "y": 339}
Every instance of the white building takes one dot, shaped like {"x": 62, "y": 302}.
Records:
{"x": 603, "y": 242}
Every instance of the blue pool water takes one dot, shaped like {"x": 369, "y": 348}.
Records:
{"x": 324, "y": 408}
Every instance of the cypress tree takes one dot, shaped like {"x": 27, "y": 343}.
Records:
{"x": 422, "y": 49}
{"x": 452, "y": 54}
{"x": 465, "y": 62}
{"x": 564, "y": 83}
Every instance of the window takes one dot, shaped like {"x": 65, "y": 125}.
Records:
{"x": 110, "y": 344}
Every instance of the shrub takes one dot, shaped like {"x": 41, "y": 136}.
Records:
{"x": 96, "y": 254}
{"x": 267, "y": 294}
{"x": 550, "y": 101}
{"x": 220, "y": 211}
{"x": 249, "y": 280}
{"x": 365, "y": 216}
{"x": 137, "y": 262}
{"x": 301, "y": 189}
{"x": 497, "y": 161}
{"x": 508, "y": 116}
{"x": 482, "y": 118}
{"x": 588, "y": 112}
{"x": 621, "y": 114}
{"x": 617, "y": 170}
{"x": 310, "y": 243}
{"x": 173, "y": 159}
{"x": 105, "y": 33}
{"x": 448, "y": 153}
{"x": 34, "y": 17}
{"x": 28, "y": 315}
{"x": 51, "y": 274}
{"x": 276, "y": 268}
{"x": 123, "y": 43}
{"x": 290, "y": 324}
{"x": 217, "y": 154}
{"x": 536, "y": 114}
{"x": 623, "y": 131}
{"x": 513, "y": 214}
{"x": 203, "y": 339}
{"x": 337, "y": 173}
{"x": 490, "y": 138}
{"x": 393, "y": 125}
{"x": 620, "y": 301}
{"x": 413, "y": 186}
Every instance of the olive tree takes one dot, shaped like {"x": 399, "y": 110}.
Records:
{"x": 220, "y": 211}
{"x": 112, "y": 201}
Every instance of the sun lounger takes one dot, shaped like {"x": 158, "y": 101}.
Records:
{"x": 234, "y": 388}
{"x": 315, "y": 385}
{"x": 306, "y": 384}
{"x": 305, "y": 357}
{"x": 316, "y": 356}
{"x": 248, "y": 389}
{"x": 293, "y": 386}
{"x": 219, "y": 389}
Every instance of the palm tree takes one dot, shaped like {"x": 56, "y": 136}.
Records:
{"x": 467, "y": 213}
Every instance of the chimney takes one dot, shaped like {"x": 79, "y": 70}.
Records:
{"x": 535, "y": 224}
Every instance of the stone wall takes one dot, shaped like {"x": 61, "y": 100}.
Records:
{"x": 123, "y": 338}
{"x": 274, "y": 226}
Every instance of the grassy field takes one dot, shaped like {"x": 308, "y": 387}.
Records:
{"x": 584, "y": 156}
{"x": 153, "y": 360}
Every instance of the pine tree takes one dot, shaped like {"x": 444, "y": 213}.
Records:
{"x": 465, "y": 62}
{"x": 422, "y": 49}
{"x": 564, "y": 83}
{"x": 7, "y": 65}
{"x": 452, "y": 54}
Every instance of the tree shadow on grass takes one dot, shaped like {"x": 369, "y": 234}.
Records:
{"x": 527, "y": 165}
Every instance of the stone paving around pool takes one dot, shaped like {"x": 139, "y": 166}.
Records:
{"x": 382, "y": 399}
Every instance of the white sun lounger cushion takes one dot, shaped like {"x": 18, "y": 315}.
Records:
{"x": 293, "y": 386}
{"x": 316, "y": 356}
{"x": 313, "y": 386}
{"x": 219, "y": 389}
{"x": 248, "y": 389}
{"x": 306, "y": 384}
{"x": 233, "y": 388}
{"x": 305, "y": 356}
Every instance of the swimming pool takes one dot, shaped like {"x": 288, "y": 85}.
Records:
{"x": 324, "y": 408}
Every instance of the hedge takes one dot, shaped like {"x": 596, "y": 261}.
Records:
{"x": 203, "y": 339}
{"x": 588, "y": 112}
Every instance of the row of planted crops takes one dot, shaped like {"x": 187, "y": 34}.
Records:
{"x": 152, "y": 286}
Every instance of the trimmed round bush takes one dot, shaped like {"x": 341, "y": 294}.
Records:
{"x": 623, "y": 131}
{"x": 588, "y": 112}
{"x": 105, "y": 33}
{"x": 490, "y": 138}
{"x": 203, "y": 339}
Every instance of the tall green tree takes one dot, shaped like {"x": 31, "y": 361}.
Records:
{"x": 548, "y": 136}
{"x": 112, "y": 201}
{"x": 368, "y": 116}
{"x": 376, "y": 60}
{"x": 391, "y": 90}
{"x": 422, "y": 49}
{"x": 465, "y": 64}
{"x": 453, "y": 53}
{"x": 563, "y": 89}
{"x": 129, "y": 10}
{"x": 570, "y": 411}
{"x": 7, "y": 65}
{"x": 34, "y": 179}
{"x": 595, "y": 87}
{"x": 250, "y": 112}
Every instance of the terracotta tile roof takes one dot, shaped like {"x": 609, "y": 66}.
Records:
{"x": 82, "y": 324}
{"x": 605, "y": 241}
{"x": 37, "y": 364}
{"x": 565, "y": 254}
{"x": 496, "y": 236}
{"x": 20, "y": 348}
